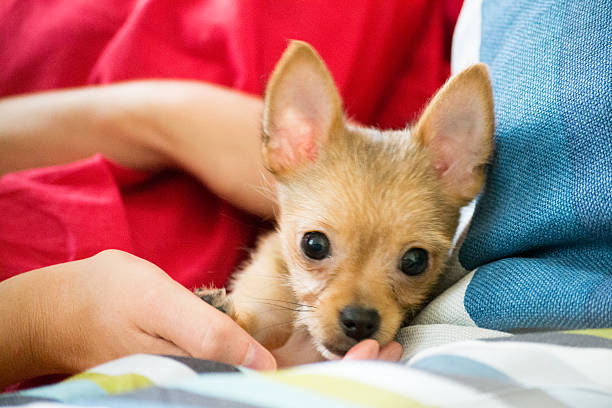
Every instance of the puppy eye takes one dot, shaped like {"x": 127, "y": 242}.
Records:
{"x": 414, "y": 261}
{"x": 315, "y": 245}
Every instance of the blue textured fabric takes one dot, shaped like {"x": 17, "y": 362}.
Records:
{"x": 541, "y": 236}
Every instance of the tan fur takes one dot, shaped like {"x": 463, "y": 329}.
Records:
{"x": 480, "y": 102}
{"x": 374, "y": 194}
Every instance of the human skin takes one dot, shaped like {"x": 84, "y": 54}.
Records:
{"x": 68, "y": 317}
{"x": 209, "y": 131}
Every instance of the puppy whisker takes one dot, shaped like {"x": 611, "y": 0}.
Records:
{"x": 283, "y": 301}
{"x": 278, "y": 307}
{"x": 289, "y": 322}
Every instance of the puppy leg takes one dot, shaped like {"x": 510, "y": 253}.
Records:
{"x": 216, "y": 297}
{"x": 260, "y": 300}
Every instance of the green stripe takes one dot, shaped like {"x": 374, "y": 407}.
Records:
{"x": 115, "y": 384}
{"x": 351, "y": 391}
{"x": 604, "y": 333}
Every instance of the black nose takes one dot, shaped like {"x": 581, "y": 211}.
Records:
{"x": 359, "y": 323}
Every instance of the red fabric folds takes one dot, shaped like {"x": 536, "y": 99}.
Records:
{"x": 387, "y": 58}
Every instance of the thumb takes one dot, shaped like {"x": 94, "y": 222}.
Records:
{"x": 205, "y": 332}
{"x": 364, "y": 350}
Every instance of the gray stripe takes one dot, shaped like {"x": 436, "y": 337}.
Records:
{"x": 204, "y": 366}
{"x": 485, "y": 379}
{"x": 510, "y": 393}
{"x": 179, "y": 397}
{"x": 529, "y": 397}
{"x": 16, "y": 399}
{"x": 559, "y": 339}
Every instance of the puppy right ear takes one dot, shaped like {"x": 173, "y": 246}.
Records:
{"x": 302, "y": 109}
{"x": 456, "y": 130}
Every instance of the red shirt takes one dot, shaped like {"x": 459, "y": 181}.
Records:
{"x": 387, "y": 57}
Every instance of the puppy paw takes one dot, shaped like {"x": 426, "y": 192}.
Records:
{"x": 217, "y": 298}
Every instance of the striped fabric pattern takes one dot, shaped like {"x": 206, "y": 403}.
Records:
{"x": 549, "y": 369}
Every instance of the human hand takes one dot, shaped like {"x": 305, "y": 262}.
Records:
{"x": 370, "y": 350}
{"x": 69, "y": 317}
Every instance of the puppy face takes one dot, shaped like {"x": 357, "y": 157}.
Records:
{"x": 367, "y": 217}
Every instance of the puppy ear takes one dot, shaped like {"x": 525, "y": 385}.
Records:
{"x": 456, "y": 129}
{"x": 302, "y": 109}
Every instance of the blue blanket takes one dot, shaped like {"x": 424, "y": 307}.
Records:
{"x": 541, "y": 236}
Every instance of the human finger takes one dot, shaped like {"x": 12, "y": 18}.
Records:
{"x": 391, "y": 352}
{"x": 205, "y": 332}
{"x": 364, "y": 350}
{"x": 157, "y": 345}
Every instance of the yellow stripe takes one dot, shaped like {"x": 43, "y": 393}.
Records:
{"x": 115, "y": 384}
{"x": 358, "y": 393}
{"x": 605, "y": 333}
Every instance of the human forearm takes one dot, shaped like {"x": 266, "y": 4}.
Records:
{"x": 57, "y": 127}
{"x": 210, "y": 131}
{"x": 215, "y": 133}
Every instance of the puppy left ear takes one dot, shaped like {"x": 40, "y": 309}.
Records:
{"x": 456, "y": 129}
{"x": 302, "y": 110}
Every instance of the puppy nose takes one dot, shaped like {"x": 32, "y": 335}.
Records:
{"x": 358, "y": 322}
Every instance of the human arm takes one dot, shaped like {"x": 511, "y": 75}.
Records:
{"x": 210, "y": 131}
{"x": 68, "y": 317}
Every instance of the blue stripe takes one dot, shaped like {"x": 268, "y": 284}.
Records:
{"x": 451, "y": 365}
{"x": 66, "y": 391}
{"x": 257, "y": 390}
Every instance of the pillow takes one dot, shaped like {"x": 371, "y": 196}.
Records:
{"x": 540, "y": 239}
{"x": 541, "y": 235}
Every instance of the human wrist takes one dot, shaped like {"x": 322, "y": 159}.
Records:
{"x": 23, "y": 329}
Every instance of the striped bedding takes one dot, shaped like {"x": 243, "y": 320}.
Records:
{"x": 549, "y": 369}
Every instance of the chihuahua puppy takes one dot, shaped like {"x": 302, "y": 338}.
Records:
{"x": 367, "y": 217}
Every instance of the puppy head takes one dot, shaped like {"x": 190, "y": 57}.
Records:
{"x": 367, "y": 217}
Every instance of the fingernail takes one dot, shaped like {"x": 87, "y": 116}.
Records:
{"x": 258, "y": 358}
